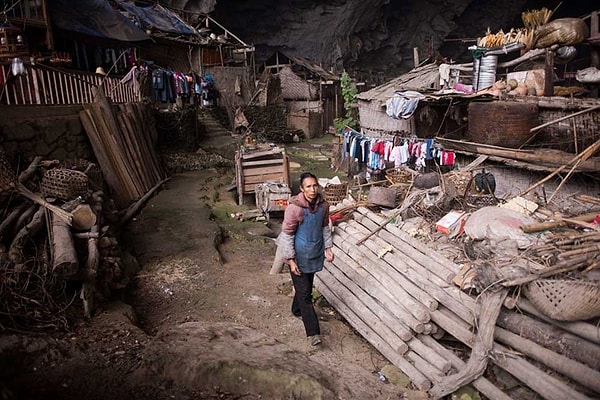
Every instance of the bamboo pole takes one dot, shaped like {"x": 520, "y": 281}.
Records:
{"x": 584, "y": 155}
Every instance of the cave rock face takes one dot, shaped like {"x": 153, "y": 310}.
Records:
{"x": 378, "y": 35}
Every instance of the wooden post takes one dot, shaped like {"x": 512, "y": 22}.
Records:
{"x": 64, "y": 257}
{"x": 416, "y": 56}
{"x": 549, "y": 74}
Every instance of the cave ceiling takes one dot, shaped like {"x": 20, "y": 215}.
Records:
{"x": 371, "y": 35}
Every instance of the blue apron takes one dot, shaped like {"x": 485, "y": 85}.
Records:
{"x": 309, "y": 243}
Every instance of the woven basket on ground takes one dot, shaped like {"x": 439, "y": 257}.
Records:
{"x": 399, "y": 175}
{"x": 565, "y": 299}
{"x": 65, "y": 184}
{"x": 463, "y": 181}
{"x": 335, "y": 193}
{"x": 91, "y": 169}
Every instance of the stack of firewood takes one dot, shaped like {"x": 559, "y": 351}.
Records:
{"x": 398, "y": 293}
{"x": 52, "y": 250}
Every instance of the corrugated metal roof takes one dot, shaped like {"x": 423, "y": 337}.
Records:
{"x": 422, "y": 78}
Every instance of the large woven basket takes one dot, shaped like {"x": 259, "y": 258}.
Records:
{"x": 565, "y": 299}
{"x": 65, "y": 184}
{"x": 399, "y": 175}
{"x": 335, "y": 193}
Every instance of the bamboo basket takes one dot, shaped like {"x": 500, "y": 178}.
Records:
{"x": 65, "y": 184}
{"x": 335, "y": 193}
{"x": 565, "y": 300}
{"x": 399, "y": 175}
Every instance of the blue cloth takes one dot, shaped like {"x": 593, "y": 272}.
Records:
{"x": 309, "y": 243}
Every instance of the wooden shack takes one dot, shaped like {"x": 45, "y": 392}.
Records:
{"x": 311, "y": 94}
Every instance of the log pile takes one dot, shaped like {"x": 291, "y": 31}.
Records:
{"x": 122, "y": 139}
{"x": 398, "y": 293}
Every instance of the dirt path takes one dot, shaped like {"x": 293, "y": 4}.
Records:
{"x": 203, "y": 319}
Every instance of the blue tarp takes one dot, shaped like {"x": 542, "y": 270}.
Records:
{"x": 158, "y": 17}
{"x": 94, "y": 18}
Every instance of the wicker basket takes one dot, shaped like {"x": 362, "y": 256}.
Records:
{"x": 334, "y": 193}
{"x": 399, "y": 175}
{"x": 463, "y": 181}
{"x": 565, "y": 300}
{"x": 92, "y": 170}
{"x": 65, "y": 184}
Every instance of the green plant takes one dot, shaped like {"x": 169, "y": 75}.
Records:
{"x": 349, "y": 92}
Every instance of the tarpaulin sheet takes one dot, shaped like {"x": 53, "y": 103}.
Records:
{"x": 158, "y": 17}
{"x": 94, "y": 18}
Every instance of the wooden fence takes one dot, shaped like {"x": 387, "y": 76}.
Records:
{"x": 47, "y": 86}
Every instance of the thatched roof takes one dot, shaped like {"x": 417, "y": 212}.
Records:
{"x": 420, "y": 79}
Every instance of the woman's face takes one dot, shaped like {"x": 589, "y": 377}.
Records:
{"x": 310, "y": 188}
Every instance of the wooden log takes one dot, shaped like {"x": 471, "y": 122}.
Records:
{"x": 552, "y": 338}
{"x": 372, "y": 336}
{"x": 430, "y": 371}
{"x": 419, "y": 269}
{"x": 28, "y": 172}
{"x": 10, "y": 219}
{"x": 491, "y": 303}
{"x": 25, "y": 217}
{"x": 15, "y": 251}
{"x": 64, "y": 256}
{"x": 579, "y": 328}
{"x": 566, "y": 366}
{"x": 447, "y": 268}
{"x": 133, "y": 209}
{"x": 351, "y": 292}
{"x": 559, "y": 222}
{"x": 382, "y": 273}
{"x": 87, "y": 294}
{"x": 486, "y": 387}
{"x": 377, "y": 291}
{"x": 430, "y": 356}
{"x": 547, "y": 386}
{"x": 382, "y": 251}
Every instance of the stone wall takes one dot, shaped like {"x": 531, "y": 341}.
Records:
{"x": 53, "y": 132}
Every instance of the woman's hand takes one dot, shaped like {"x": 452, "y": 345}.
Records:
{"x": 294, "y": 267}
{"x": 329, "y": 254}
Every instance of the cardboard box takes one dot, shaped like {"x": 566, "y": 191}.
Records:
{"x": 452, "y": 224}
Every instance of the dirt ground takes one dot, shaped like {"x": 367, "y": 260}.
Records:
{"x": 203, "y": 319}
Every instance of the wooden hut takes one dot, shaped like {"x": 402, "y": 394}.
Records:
{"x": 428, "y": 116}
{"x": 311, "y": 94}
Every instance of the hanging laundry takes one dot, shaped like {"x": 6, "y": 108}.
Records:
{"x": 403, "y": 104}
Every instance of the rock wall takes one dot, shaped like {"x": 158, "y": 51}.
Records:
{"x": 53, "y": 132}
{"x": 374, "y": 37}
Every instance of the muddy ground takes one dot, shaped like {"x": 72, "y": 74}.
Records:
{"x": 203, "y": 318}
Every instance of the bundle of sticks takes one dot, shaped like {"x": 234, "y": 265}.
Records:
{"x": 571, "y": 251}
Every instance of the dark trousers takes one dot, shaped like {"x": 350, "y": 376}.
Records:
{"x": 303, "y": 305}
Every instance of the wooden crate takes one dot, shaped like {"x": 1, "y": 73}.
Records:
{"x": 263, "y": 164}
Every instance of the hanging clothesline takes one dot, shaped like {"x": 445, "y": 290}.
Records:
{"x": 377, "y": 153}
